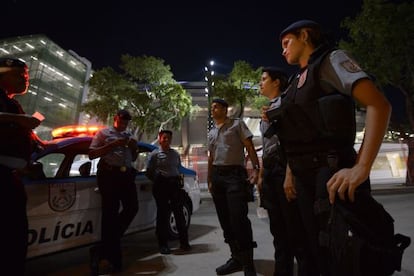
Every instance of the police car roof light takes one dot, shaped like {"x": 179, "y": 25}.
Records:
{"x": 75, "y": 131}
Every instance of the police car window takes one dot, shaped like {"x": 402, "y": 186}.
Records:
{"x": 51, "y": 163}
{"x": 82, "y": 166}
{"x": 140, "y": 163}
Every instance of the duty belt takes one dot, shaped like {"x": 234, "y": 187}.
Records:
{"x": 227, "y": 168}
{"x": 107, "y": 167}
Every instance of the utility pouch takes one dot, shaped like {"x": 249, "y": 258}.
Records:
{"x": 362, "y": 240}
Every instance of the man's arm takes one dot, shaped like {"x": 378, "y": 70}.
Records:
{"x": 289, "y": 185}
{"x": 248, "y": 143}
{"x": 23, "y": 120}
{"x": 209, "y": 169}
{"x": 100, "y": 151}
{"x": 132, "y": 145}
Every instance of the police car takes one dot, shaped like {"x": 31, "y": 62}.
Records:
{"x": 64, "y": 205}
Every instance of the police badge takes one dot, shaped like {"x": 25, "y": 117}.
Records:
{"x": 302, "y": 78}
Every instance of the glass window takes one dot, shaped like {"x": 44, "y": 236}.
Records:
{"x": 51, "y": 164}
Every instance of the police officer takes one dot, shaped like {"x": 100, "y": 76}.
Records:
{"x": 229, "y": 187}
{"x": 284, "y": 217}
{"x": 163, "y": 169}
{"x": 15, "y": 148}
{"x": 317, "y": 128}
{"x": 116, "y": 181}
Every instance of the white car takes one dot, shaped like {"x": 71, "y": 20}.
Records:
{"x": 64, "y": 205}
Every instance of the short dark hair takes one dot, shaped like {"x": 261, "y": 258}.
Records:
{"x": 166, "y": 131}
{"x": 124, "y": 114}
{"x": 221, "y": 101}
{"x": 277, "y": 73}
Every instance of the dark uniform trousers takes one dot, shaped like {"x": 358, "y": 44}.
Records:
{"x": 168, "y": 196}
{"x": 230, "y": 196}
{"x": 116, "y": 188}
{"x": 311, "y": 192}
{"x": 285, "y": 223}
{"x": 14, "y": 231}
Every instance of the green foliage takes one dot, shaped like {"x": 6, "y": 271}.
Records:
{"x": 240, "y": 86}
{"x": 381, "y": 38}
{"x": 146, "y": 88}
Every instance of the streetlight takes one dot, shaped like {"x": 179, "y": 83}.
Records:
{"x": 208, "y": 77}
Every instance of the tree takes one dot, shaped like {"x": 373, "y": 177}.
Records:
{"x": 381, "y": 37}
{"x": 239, "y": 87}
{"x": 146, "y": 88}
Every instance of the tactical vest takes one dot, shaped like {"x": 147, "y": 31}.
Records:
{"x": 15, "y": 141}
{"x": 311, "y": 119}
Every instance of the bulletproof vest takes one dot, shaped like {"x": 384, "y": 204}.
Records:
{"x": 311, "y": 119}
{"x": 15, "y": 141}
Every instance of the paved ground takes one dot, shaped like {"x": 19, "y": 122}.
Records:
{"x": 142, "y": 257}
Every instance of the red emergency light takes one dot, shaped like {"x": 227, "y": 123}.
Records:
{"x": 75, "y": 131}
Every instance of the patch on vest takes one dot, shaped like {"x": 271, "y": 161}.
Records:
{"x": 302, "y": 78}
{"x": 351, "y": 66}
{"x": 62, "y": 196}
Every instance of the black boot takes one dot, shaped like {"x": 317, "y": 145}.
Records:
{"x": 233, "y": 264}
{"x": 246, "y": 258}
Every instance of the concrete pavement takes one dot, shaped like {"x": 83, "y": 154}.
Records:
{"x": 141, "y": 256}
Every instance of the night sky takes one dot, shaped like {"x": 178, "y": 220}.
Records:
{"x": 185, "y": 35}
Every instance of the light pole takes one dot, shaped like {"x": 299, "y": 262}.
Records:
{"x": 208, "y": 77}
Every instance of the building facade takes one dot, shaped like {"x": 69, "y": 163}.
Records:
{"x": 58, "y": 80}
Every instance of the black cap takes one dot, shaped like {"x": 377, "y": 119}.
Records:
{"x": 299, "y": 25}
{"x": 11, "y": 62}
{"x": 124, "y": 114}
{"x": 221, "y": 101}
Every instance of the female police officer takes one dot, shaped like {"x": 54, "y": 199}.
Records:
{"x": 317, "y": 127}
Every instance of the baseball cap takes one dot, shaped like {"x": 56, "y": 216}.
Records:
{"x": 221, "y": 101}
{"x": 305, "y": 23}
{"x": 124, "y": 114}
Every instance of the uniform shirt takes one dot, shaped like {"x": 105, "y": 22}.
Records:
{"x": 118, "y": 156}
{"x": 166, "y": 163}
{"x": 226, "y": 142}
{"x": 339, "y": 72}
{"x": 269, "y": 145}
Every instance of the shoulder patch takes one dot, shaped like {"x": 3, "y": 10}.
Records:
{"x": 351, "y": 66}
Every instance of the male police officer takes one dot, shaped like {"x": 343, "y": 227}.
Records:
{"x": 317, "y": 128}
{"x": 116, "y": 181}
{"x": 15, "y": 148}
{"x": 227, "y": 182}
{"x": 164, "y": 170}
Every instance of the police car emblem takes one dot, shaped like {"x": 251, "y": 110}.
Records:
{"x": 351, "y": 66}
{"x": 302, "y": 78}
{"x": 61, "y": 196}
